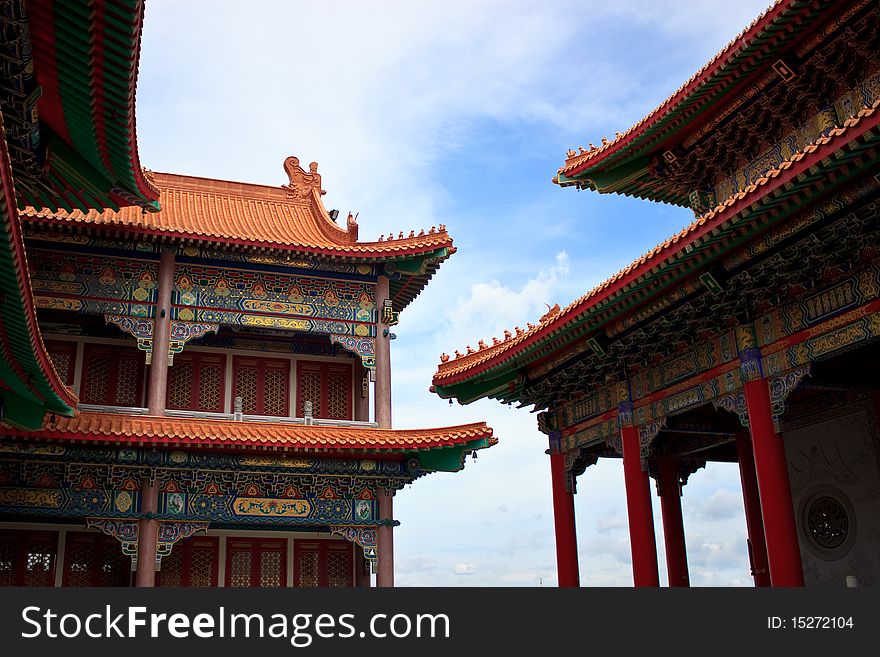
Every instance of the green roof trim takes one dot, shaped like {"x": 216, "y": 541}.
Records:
{"x": 29, "y": 386}
{"x": 449, "y": 459}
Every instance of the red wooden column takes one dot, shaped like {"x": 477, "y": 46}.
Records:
{"x": 669, "y": 489}
{"x": 148, "y": 533}
{"x": 383, "y": 358}
{"x": 158, "y": 389}
{"x": 643, "y": 544}
{"x": 752, "y": 503}
{"x": 361, "y": 393}
{"x": 771, "y": 468}
{"x": 563, "y": 517}
{"x": 385, "y": 533}
{"x": 385, "y": 541}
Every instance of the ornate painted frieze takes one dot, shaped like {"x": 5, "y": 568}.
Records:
{"x": 127, "y": 532}
{"x": 140, "y": 457}
{"x": 846, "y": 294}
{"x": 275, "y": 301}
{"x": 73, "y": 481}
{"x": 281, "y": 260}
{"x": 123, "y": 530}
{"x": 843, "y": 313}
{"x": 93, "y": 284}
{"x": 819, "y": 124}
{"x": 140, "y": 329}
{"x": 576, "y": 463}
{"x": 683, "y": 290}
{"x": 839, "y": 201}
{"x": 365, "y": 348}
{"x": 780, "y": 389}
{"x": 170, "y": 533}
{"x": 362, "y": 536}
{"x": 587, "y": 408}
{"x": 183, "y": 332}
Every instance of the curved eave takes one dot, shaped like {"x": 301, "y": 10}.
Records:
{"x": 29, "y": 386}
{"x": 369, "y": 252}
{"x": 733, "y": 68}
{"x": 415, "y": 274}
{"x": 86, "y": 61}
{"x": 440, "y": 448}
{"x": 486, "y": 373}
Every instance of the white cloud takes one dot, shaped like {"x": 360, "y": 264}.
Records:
{"x": 723, "y": 504}
{"x": 391, "y": 98}
{"x": 491, "y": 307}
{"x": 610, "y": 523}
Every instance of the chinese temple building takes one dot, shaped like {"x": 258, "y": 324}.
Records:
{"x": 188, "y": 365}
{"x": 749, "y": 337}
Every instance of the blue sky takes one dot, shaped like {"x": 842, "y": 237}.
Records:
{"x": 458, "y": 113}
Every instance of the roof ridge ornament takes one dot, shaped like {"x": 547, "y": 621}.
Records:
{"x": 302, "y": 183}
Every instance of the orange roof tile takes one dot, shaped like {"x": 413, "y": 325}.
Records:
{"x": 502, "y": 350}
{"x": 153, "y": 430}
{"x": 290, "y": 217}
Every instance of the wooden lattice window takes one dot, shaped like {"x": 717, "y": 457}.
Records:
{"x": 328, "y": 386}
{"x": 112, "y": 376}
{"x": 256, "y": 562}
{"x": 63, "y": 356}
{"x": 28, "y": 558}
{"x": 196, "y": 382}
{"x": 192, "y": 563}
{"x": 92, "y": 559}
{"x": 263, "y": 385}
{"x": 323, "y": 563}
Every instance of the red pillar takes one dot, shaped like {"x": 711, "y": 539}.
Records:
{"x": 158, "y": 389}
{"x": 361, "y": 393}
{"x": 383, "y": 358}
{"x": 643, "y": 544}
{"x": 385, "y": 542}
{"x": 752, "y": 503}
{"x": 669, "y": 488}
{"x": 563, "y": 519}
{"x": 771, "y": 468}
{"x": 148, "y": 533}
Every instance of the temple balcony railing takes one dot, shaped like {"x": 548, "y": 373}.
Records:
{"x": 120, "y": 410}
{"x": 134, "y": 410}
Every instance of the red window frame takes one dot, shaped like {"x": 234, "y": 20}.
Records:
{"x": 197, "y": 360}
{"x": 325, "y": 368}
{"x": 63, "y": 347}
{"x": 261, "y": 365}
{"x": 257, "y": 546}
{"x": 187, "y": 547}
{"x": 117, "y": 354}
{"x": 323, "y": 549}
{"x": 102, "y": 546}
{"x": 23, "y": 542}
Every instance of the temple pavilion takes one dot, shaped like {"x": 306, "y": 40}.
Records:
{"x": 749, "y": 337}
{"x": 188, "y": 364}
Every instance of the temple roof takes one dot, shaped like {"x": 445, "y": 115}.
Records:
{"x": 29, "y": 384}
{"x": 67, "y": 78}
{"x": 623, "y": 164}
{"x": 288, "y": 217}
{"x": 199, "y": 432}
{"x": 77, "y": 148}
{"x": 638, "y": 281}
